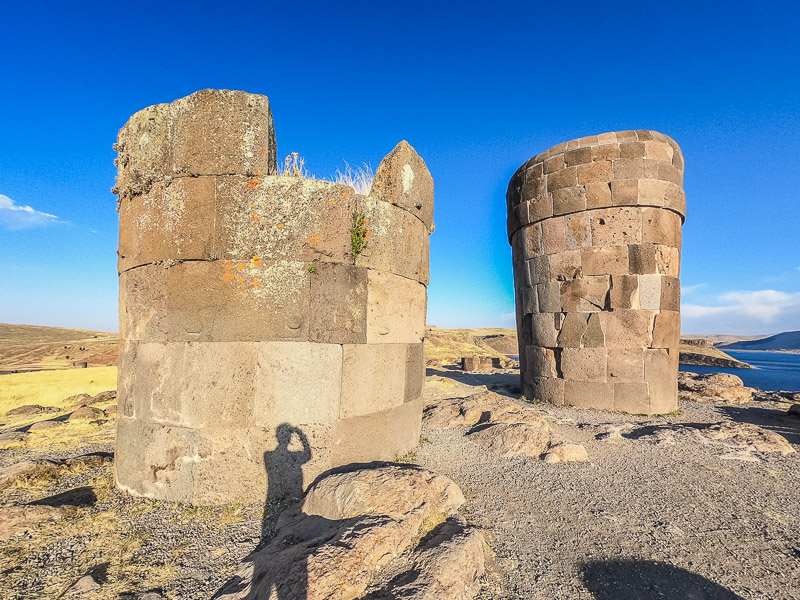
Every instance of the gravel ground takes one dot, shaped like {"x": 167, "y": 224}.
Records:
{"x": 643, "y": 519}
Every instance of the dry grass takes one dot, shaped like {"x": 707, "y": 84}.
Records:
{"x": 50, "y": 388}
{"x": 447, "y": 346}
{"x": 359, "y": 178}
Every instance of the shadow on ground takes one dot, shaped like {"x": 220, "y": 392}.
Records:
{"x": 638, "y": 579}
{"x": 502, "y": 382}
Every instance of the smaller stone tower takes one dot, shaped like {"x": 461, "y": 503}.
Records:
{"x": 595, "y": 229}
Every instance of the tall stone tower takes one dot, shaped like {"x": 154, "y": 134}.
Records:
{"x": 595, "y": 229}
{"x": 272, "y": 325}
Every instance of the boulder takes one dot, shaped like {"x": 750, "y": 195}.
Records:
{"x": 566, "y": 452}
{"x": 86, "y": 412}
{"x": 18, "y": 519}
{"x": 76, "y": 400}
{"x": 349, "y": 528}
{"x": 716, "y": 387}
{"x": 482, "y": 407}
{"x": 107, "y": 396}
{"x": 31, "y": 409}
{"x": 612, "y": 433}
{"x": 794, "y": 411}
{"x": 512, "y": 439}
{"x": 85, "y": 586}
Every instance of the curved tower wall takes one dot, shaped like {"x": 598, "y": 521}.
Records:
{"x": 595, "y": 229}
{"x": 261, "y": 344}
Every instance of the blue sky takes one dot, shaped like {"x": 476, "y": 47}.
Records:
{"x": 477, "y": 88}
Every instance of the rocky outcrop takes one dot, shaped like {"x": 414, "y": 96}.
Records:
{"x": 31, "y": 409}
{"x": 353, "y": 527}
{"x": 744, "y": 437}
{"x": 503, "y": 426}
{"x": 19, "y": 519}
{"x": 713, "y": 387}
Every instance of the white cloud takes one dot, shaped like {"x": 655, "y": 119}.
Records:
{"x": 688, "y": 289}
{"x": 756, "y": 312}
{"x": 14, "y": 216}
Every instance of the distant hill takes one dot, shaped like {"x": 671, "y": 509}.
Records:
{"x": 34, "y": 348}
{"x": 789, "y": 340}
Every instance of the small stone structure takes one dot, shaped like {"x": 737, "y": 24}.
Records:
{"x": 272, "y": 325}
{"x": 477, "y": 363}
{"x": 595, "y": 229}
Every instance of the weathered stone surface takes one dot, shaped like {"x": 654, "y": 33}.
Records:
{"x": 483, "y": 407}
{"x": 714, "y": 387}
{"x": 564, "y": 452}
{"x": 86, "y": 413}
{"x": 396, "y": 309}
{"x": 30, "y": 409}
{"x": 210, "y": 132}
{"x": 269, "y": 322}
{"x": 348, "y": 529}
{"x": 512, "y": 439}
{"x": 9, "y": 438}
{"x": 403, "y": 179}
{"x": 746, "y": 437}
{"x": 41, "y": 425}
{"x": 20, "y": 519}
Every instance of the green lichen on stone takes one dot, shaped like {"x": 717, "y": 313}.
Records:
{"x": 358, "y": 234}
{"x": 312, "y": 269}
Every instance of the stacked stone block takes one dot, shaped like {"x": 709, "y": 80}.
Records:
{"x": 595, "y": 229}
{"x": 244, "y": 306}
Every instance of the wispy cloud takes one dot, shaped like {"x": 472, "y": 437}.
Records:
{"x": 759, "y": 311}
{"x": 14, "y": 216}
{"x": 689, "y": 289}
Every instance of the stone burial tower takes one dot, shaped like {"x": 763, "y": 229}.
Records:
{"x": 272, "y": 325}
{"x": 595, "y": 229}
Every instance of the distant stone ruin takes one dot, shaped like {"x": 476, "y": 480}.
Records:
{"x": 595, "y": 229}
{"x": 480, "y": 363}
{"x": 272, "y": 325}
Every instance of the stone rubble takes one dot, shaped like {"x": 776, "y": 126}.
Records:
{"x": 722, "y": 388}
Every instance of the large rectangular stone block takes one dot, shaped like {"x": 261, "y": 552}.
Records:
{"x": 544, "y": 389}
{"x": 384, "y": 435}
{"x": 338, "y": 304}
{"x": 415, "y": 371}
{"x": 373, "y": 378}
{"x": 541, "y": 362}
{"x": 626, "y": 365}
{"x": 596, "y": 172}
{"x": 628, "y": 328}
{"x": 578, "y": 231}
{"x": 632, "y": 398}
{"x": 251, "y": 300}
{"x": 572, "y": 330}
{"x": 614, "y": 226}
{"x": 396, "y": 309}
{"x": 297, "y": 382}
{"x": 598, "y": 195}
{"x": 549, "y": 297}
{"x": 565, "y": 265}
{"x": 553, "y": 235}
{"x": 174, "y": 220}
{"x": 650, "y": 292}
{"x": 544, "y": 332}
{"x": 541, "y": 208}
{"x": 589, "y": 394}
{"x": 661, "y": 226}
{"x": 624, "y": 292}
{"x": 143, "y": 303}
{"x": 667, "y": 330}
{"x": 584, "y": 364}
{"x": 569, "y": 200}
{"x": 661, "y": 374}
{"x": 605, "y": 260}
{"x": 585, "y": 294}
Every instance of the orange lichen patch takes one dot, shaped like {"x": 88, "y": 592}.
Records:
{"x": 227, "y": 277}
{"x": 255, "y": 262}
{"x": 331, "y": 202}
{"x": 255, "y": 282}
{"x": 265, "y": 149}
{"x": 314, "y": 239}
{"x": 345, "y": 194}
{"x": 253, "y": 183}
{"x": 240, "y": 266}
{"x": 240, "y": 280}
{"x": 279, "y": 226}
{"x": 256, "y": 217}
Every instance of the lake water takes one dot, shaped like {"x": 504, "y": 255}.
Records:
{"x": 772, "y": 370}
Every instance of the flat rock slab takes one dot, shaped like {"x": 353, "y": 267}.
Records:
{"x": 9, "y": 438}
{"x": 31, "y": 409}
{"x": 747, "y": 437}
{"x": 513, "y": 439}
{"x": 18, "y": 519}
{"x": 349, "y": 529}
{"x": 713, "y": 387}
{"x": 39, "y": 467}
{"x": 478, "y": 408}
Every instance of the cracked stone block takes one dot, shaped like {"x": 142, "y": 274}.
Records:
{"x": 403, "y": 179}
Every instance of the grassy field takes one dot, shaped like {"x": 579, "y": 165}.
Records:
{"x": 32, "y": 347}
{"x": 50, "y": 388}
{"x": 447, "y": 346}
